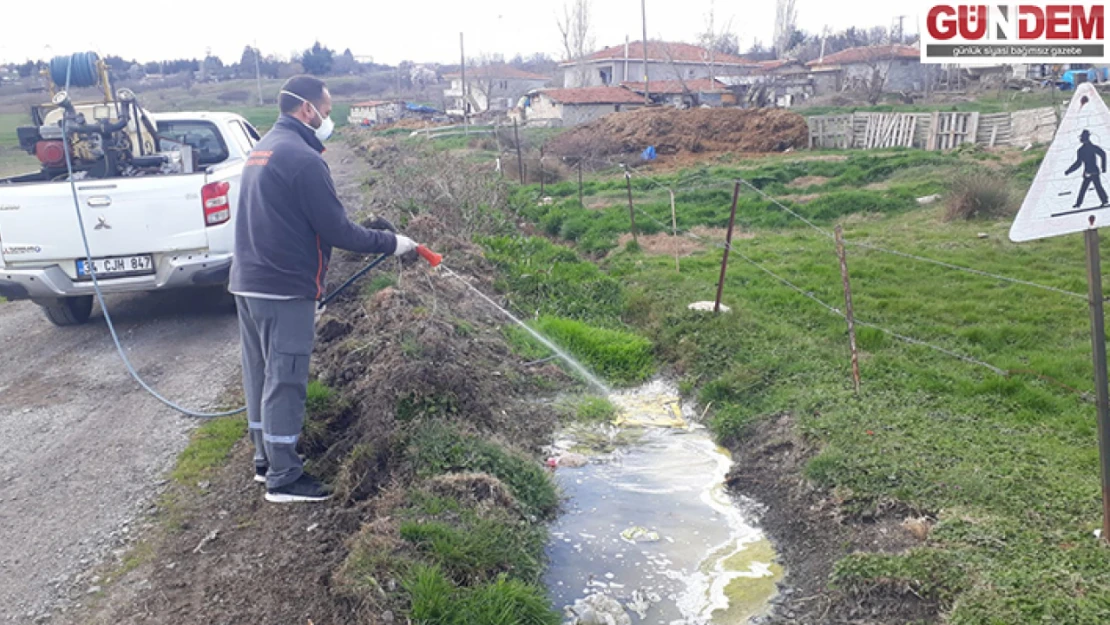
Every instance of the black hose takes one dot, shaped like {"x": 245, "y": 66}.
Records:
{"x": 83, "y": 73}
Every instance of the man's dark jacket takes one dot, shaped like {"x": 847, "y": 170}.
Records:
{"x": 289, "y": 218}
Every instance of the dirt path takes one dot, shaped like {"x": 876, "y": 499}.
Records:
{"x": 84, "y": 450}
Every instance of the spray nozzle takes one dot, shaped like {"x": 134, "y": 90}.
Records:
{"x": 433, "y": 259}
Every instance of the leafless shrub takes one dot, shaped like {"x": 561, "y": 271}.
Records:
{"x": 978, "y": 195}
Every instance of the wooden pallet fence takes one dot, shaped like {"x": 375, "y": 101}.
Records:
{"x": 932, "y": 131}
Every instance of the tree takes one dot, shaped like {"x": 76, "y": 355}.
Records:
{"x": 289, "y": 70}
{"x": 786, "y": 19}
{"x": 577, "y": 37}
{"x": 318, "y": 59}
{"x": 759, "y": 52}
{"x": 27, "y": 68}
{"x": 723, "y": 41}
{"x": 345, "y": 63}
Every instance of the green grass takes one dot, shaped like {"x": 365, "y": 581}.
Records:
{"x": 594, "y": 409}
{"x": 208, "y": 449}
{"x": 1014, "y": 458}
{"x": 617, "y": 356}
{"x": 379, "y": 283}
{"x": 540, "y": 278}
{"x": 703, "y": 195}
{"x": 1008, "y": 464}
{"x": 435, "y": 448}
{"x": 320, "y": 398}
{"x": 474, "y": 544}
{"x": 436, "y": 600}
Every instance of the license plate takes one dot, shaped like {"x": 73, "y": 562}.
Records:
{"x": 110, "y": 267}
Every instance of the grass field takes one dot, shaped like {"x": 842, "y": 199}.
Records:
{"x": 1006, "y": 464}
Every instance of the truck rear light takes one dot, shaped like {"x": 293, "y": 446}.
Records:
{"x": 217, "y": 204}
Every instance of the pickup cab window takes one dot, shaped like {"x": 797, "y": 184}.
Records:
{"x": 241, "y": 136}
{"x": 204, "y": 137}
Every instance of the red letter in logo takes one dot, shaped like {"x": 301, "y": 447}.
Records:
{"x": 1058, "y": 22}
{"x": 941, "y": 23}
{"x": 976, "y": 14}
{"x": 1030, "y": 22}
{"x": 1085, "y": 26}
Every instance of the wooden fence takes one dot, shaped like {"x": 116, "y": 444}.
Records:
{"x": 931, "y": 131}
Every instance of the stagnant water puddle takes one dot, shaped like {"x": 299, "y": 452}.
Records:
{"x": 649, "y": 534}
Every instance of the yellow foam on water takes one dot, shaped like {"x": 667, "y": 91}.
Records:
{"x": 661, "y": 412}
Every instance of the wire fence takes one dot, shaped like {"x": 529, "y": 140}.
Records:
{"x": 899, "y": 336}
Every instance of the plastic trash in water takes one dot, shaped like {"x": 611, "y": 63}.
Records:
{"x": 648, "y": 154}
{"x": 640, "y": 535}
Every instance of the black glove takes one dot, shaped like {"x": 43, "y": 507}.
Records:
{"x": 380, "y": 223}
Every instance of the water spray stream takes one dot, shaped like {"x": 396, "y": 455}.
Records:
{"x": 577, "y": 366}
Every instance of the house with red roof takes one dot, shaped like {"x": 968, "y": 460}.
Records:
{"x": 494, "y": 88}
{"x": 684, "y": 93}
{"x": 569, "y": 107}
{"x": 666, "y": 61}
{"x": 897, "y": 67}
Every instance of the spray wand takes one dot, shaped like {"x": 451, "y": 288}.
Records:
{"x": 433, "y": 259}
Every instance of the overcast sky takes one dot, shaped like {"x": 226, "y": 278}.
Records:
{"x": 391, "y": 31}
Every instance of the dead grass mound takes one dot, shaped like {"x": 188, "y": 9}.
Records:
{"x": 693, "y": 130}
{"x": 978, "y": 195}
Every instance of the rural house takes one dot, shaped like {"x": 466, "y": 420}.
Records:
{"x": 883, "y": 69}
{"x": 684, "y": 93}
{"x": 665, "y": 61}
{"x": 387, "y": 112}
{"x": 568, "y": 107}
{"x": 375, "y": 112}
{"x": 491, "y": 88}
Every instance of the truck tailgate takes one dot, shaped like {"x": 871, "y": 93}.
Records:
{"x": 123, "y": 216}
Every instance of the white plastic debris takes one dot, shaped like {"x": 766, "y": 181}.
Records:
{"x": 707, "y": 307}
{"x": 639, "y": 535}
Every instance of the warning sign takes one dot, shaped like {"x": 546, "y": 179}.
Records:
{"x": 1069, "y": 193}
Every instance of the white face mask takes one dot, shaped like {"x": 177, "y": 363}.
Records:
{"x": 323, "y": 132}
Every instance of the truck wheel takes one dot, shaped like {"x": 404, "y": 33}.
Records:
{"x": 68, "y": 311}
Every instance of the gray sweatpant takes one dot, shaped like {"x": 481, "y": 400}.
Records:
{"x": 277, "y": 338}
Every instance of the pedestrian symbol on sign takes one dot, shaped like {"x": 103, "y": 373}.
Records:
{"x": 1093, "y": 161}
{"x": 1073, "y": 170}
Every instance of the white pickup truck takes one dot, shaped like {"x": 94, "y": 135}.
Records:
{"x": 146, "y": 233}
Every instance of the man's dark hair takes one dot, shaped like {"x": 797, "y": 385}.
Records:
{"x": 308, "y": 87}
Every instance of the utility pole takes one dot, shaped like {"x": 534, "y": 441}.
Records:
{"x": 901, "y": 32}
{"x": 643, "y": 18}
{"x": 258, "y": 74}
{"x": 465, "y": 98}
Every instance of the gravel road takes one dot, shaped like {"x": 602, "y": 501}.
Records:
{"x": 84, "y": 451}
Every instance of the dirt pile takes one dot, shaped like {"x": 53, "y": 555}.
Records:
{"x": 692, "y": 130}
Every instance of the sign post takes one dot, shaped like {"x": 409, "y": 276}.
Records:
{"x": 1068, "y": 197}
{"x": 1102, "y": 387}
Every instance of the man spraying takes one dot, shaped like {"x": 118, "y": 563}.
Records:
{"x": 1093, "y": 161}
{"x": 289, "y": 219}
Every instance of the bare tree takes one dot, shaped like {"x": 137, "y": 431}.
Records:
{"x": 717, "y": 42}
{"x": 577, "y": 36}
{"x": 688, "y": 96}
{"x": 786, "y": 20}
{"x": 485, "y": 80}
{"x": 878, "y": 60}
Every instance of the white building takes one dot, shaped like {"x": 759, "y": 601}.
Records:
{"x": 490, "y": 88}
{"x": 569, "y": 107}
{"x": 375, "y": 112}
{"x": 665, "y": 62}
